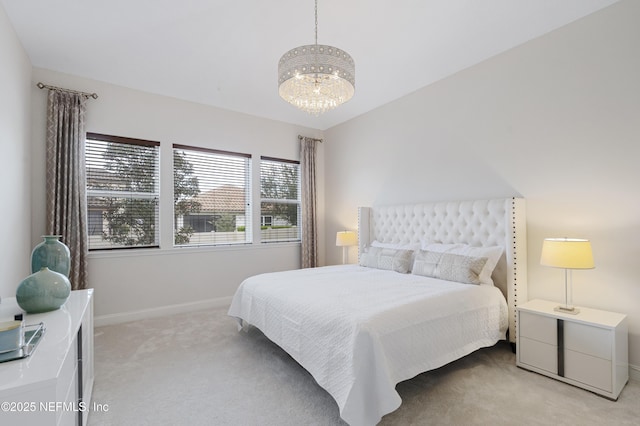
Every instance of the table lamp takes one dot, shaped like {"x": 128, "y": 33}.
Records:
{"x": 345, "y": 239}
{"x": 569, "y": 254}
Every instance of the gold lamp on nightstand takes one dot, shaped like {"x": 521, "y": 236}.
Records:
{"x": 569, "y": 254}
{"x": 345, "y": 239}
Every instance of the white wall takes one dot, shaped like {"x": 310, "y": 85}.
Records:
{"x": 15, "y": 115}
{"x": 556, "y": 120}
{"x": 137, "y": 280}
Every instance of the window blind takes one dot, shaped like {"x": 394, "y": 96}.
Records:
{"x": 212, "y": 197}
{"x": 279, "y": 200}
{"x": 122, "y": 192}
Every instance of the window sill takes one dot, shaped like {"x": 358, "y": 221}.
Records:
{"x": 115, "y": 253}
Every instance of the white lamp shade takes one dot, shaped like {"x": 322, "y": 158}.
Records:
{"x": 568, "y": 253}
{"x": 346, "y": 238}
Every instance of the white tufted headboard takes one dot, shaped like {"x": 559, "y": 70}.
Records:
{"x": 478, "y": 223}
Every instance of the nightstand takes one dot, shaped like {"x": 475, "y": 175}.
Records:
{"x": 589, "y": 349}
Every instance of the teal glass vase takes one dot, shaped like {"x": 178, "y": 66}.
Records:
{"x": 53, "y": 254}
{"x": 43, "y": 291}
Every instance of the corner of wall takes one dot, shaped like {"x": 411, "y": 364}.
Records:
{"x": 15, "y": 166}
{"x": 634, "y": 373}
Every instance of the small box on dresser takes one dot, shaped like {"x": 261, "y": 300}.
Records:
{"x": 588, "y": 349}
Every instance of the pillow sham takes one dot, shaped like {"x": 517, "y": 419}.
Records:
{"x": 449, "y": 266}
{"x": 413, "y": 247}
{"x": 492, "y": 253}
{"x": 387, "y": 258}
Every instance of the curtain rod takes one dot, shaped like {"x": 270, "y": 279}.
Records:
{"x": 300, "y": 137}
{"x": 85, "y": 94}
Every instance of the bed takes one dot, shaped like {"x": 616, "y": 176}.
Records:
{"x": 361, "y": 329}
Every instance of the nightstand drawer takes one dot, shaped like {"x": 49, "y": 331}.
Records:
{"x": 590, "y": 370}
{"x": 538, "y": 327}
{"x": 588, "y": 339}
{"x": 538, "y": 354}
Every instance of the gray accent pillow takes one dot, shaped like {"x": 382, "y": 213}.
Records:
{"x": 387, "y": 258}
{"x": 449, "y": 266}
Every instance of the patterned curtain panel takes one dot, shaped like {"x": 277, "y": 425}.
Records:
{"x": 308, "y": 202}
{"x": 65, "y": 171}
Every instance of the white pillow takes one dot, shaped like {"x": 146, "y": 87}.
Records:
{"x": 386, "y": 258}
{"x": 449, "y": 266}
{"x": 396, "y": 246}
{"x": 440, "y": 247}
{"x": 492, "y": 254}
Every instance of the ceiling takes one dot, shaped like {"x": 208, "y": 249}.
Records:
{"x": 225, "y": 53}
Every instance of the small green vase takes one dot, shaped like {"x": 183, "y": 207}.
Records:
{"x": 44, "y": 291}
{"x": 53, "y": 254}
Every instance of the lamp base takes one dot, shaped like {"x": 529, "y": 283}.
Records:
{"x": 567, "y": 309}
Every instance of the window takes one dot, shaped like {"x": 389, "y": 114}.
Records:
{"x": 122, "y": 192}
{"x": 279, "y": 200}
{"x": 212, "y": 197}
{"x": 266, "y": 220}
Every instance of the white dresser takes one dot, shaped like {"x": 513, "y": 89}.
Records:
{"x": 53, "y": 386}
{"x": 589, "y": 349}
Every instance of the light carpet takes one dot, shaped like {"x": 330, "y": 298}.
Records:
{"x": 197, "y": 369}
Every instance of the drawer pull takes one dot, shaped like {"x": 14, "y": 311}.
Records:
{"x": 560, "y": 331}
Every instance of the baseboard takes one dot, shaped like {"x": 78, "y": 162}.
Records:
{"x": 161, "y": 311}
{"x": 634, "y": 373}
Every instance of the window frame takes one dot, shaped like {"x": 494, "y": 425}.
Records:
{"x": 155, "y": 195}
{"x": 297, "y": 202}
{"x": 248, "y": 203}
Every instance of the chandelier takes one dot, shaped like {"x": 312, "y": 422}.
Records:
{"x": 316, "y": 78}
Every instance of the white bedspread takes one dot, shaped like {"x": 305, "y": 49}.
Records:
{"x": 360, "y": 331}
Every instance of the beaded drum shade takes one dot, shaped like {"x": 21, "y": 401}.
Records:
{"x": 316, "y": 78}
